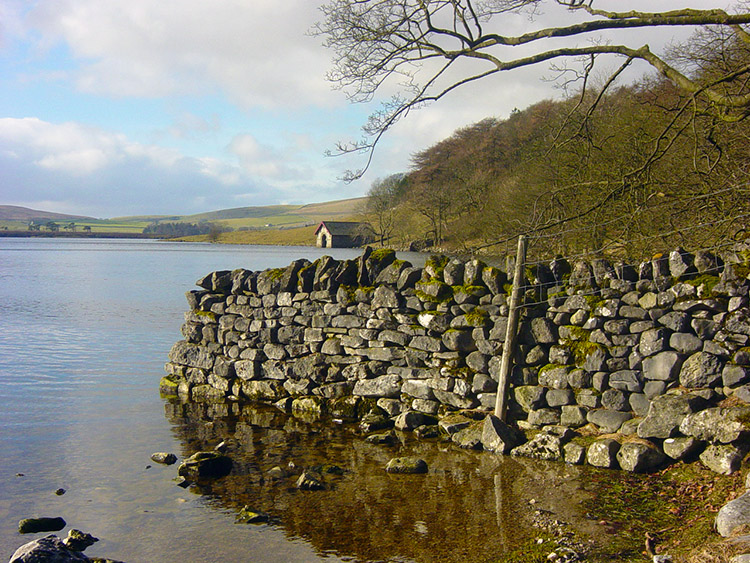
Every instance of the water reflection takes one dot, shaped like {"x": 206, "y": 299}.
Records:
{"x": 471, "y": 507}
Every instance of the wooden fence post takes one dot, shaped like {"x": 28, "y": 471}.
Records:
{"x": 503, "y": 384}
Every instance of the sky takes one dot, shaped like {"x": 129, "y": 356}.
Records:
{"x": 114, "y": 108}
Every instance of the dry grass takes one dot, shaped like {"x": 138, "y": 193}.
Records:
{"x": 299, "y": 236}
{"x": 717, "y": 552}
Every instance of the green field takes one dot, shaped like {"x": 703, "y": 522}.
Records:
{"x": 257, "y": 225}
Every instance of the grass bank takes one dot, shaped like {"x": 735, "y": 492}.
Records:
{"x": 672, "y": 511}
{"x": 298, "y": 236}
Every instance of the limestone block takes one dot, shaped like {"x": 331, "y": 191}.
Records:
{"x": 723, "y": 459}
{"x": 639, "y": 457}
{"x": 603, "y": 453}
{"x": 666, "y": 413}
{"x": 701, "y": 370}
{"x": 682, "y": 447}
{"x": 608, "y": 421}
{"x": 497, "y": 436}
{"x": 717, "y": 425}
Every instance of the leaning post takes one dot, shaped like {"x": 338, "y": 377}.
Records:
{"x": 503, "y": 384}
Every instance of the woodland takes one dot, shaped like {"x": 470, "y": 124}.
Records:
{"x": 614, "y": 168}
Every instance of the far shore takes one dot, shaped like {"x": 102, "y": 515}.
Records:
{"x": 76, "y": 234}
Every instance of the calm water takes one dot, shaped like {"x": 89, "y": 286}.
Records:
{"x": 85, "y": 327}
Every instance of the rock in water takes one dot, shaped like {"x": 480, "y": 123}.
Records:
{"x": 311, "y": 481}
{"x": 79, "y": 541}
{"x": 164, "y": 457}
{"x": 49, "y": 549}
{"x": 201, "y": 465}
{"x": 406, "y": 465}
{"x": 248, "y": 516}
{"x": 35, "y": 525}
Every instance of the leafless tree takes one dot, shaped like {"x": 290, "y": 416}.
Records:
{"x": 428, "y": 46}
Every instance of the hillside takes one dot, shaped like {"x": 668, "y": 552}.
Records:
{"x": 16, "y": 213}
{"x": 259, "y": 219}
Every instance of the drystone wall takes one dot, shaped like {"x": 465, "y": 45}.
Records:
{"x": 615, "y": 366}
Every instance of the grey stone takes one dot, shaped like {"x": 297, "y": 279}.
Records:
{"x": 685, "y": 343}
{"x": 574, "y": 454}
{"x": 654, "y": 389}
{"x": 453, "y": 423}
{"x": 418, "y": 388}
{"x": 653, "y": 341}
{"x": 700, "y": 370}
{"x": 497, "y": 436}
{"x": 425, "y": 406}
{"x": 470, "y": 437}
{"x": 543, "y": 417}
{"x": 675, "y": 321}
{"x": 543, "y": 446}
{"x": 560, "y": 397}
{"x": 639, "y": 403}
{"x": 615, "y": 400}
{"x": 386, "y": 296}
{"x": 734, "y": 375}
{"x": 627, "y": 380}
{"x": 455, "y": 400}
{"x": 666, "y": 413}
{"x": 664, "y": 366}
{"x": 409, "y": 420}
{"x": 383, "y": 386}
{"x": 560, "y": 355}
{"x": 579, "y": 379}
{"x": 427, "y": 344}
{"x": 682, "y": 447}
{"x": 554, "y": 377}
{"x": 603, "y": 453}
{"x": 49, "y": 549}
{"x": 589, "y": 398}
{"x": 732, "y": 515}
{"x": 459, "y": 340}
{"x": 681, "y": 263}
{"x": 483, "y": 384}
{"x": 723, "y": 459}
{"x": 192, "y": 355}
{"x": 723, "y": 425}
{"x": 738, "y": 322}
{"x": 638, "y": 457}
{"x": 529, "y": 397}
{"x": 573, "y": 416}
{"x": 607, "y": 420}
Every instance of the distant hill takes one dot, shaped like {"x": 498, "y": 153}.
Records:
{"x": 16, "y": 213}
{"x": 16, "y": 218}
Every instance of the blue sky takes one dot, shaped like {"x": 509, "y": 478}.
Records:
{"x": 126, "y": 107}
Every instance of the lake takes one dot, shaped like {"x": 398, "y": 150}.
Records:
{"x": 86, "y": 328}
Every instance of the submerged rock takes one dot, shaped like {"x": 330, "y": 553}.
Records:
{"x": 205, "y": 465}
{"x": 311, "y": 481}
{"x": 35, "y": 525}
{"x": 406, "y": 465}
{"x": 248, "y": 516}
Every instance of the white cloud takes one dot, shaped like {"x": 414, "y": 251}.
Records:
{"x": 256, "y": 52}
